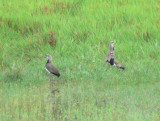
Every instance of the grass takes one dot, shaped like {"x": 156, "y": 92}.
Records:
{"x": 77, "y": 35}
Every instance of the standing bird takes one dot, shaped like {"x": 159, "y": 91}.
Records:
{"x": 51, "y": 69}
{"x": 111, "y": 57}
{"x": 111, "y": 54}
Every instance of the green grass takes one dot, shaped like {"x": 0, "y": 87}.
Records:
{"x": 77, "y": 34}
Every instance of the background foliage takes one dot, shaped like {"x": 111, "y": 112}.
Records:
{"x": 77, "y": 34}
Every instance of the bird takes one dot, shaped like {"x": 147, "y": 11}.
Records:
{"x": 111, "y": 57}
{"x": 111, "y": 53}
{"x": 50, "y": 67}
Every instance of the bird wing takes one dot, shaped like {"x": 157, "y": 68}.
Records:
{"x": 52, "y": 69}
{"x": 118, "y": 65}
{"x": 55, "y": 71}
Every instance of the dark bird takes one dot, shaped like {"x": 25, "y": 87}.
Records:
{"x": 111, "y": 57}
{"x": 50, "y": 67}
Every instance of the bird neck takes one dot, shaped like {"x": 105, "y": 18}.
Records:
{"x": 49, "y": 61}
{"x": 111, "y": 48}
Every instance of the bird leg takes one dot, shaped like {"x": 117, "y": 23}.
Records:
{"x": 51, "y": 82}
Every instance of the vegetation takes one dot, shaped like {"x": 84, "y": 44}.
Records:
{"x": 77, "y": 34}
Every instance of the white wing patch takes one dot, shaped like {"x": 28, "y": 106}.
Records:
{"x": 47, "y": 70}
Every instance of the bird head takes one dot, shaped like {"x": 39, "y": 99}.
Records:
{"x": 111, "y": 45}
{"x": 49, "y": 57}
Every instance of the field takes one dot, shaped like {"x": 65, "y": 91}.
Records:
{"x": 77, "y": 34}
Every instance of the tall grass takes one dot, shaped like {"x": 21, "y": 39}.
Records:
{"x": 77, "y": 34}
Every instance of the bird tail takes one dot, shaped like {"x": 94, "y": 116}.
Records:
{"x": 57, "y": 74}
{"x": 119, "y": 65}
